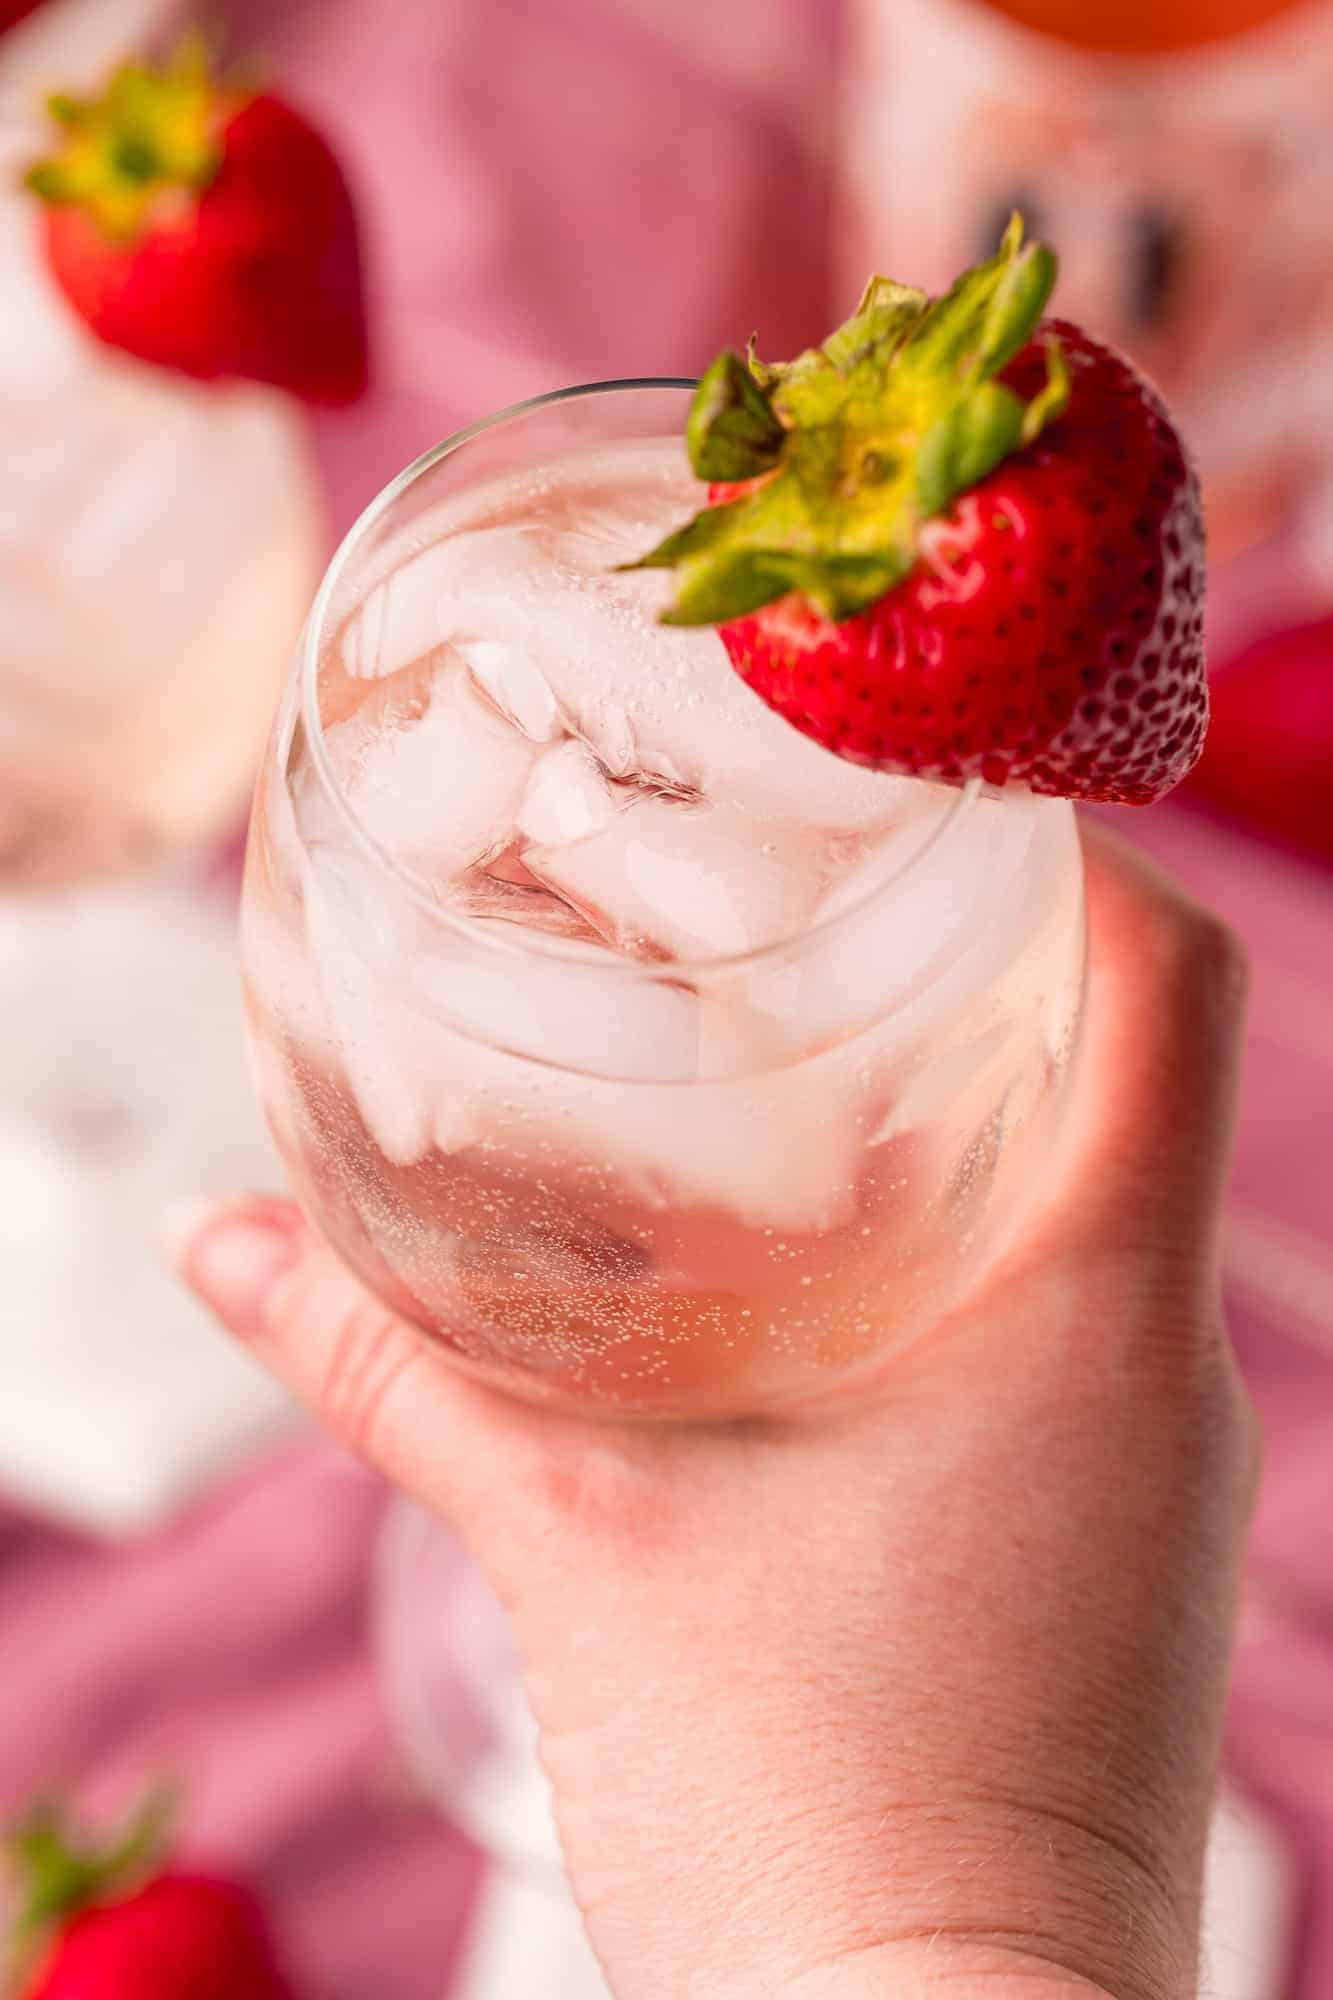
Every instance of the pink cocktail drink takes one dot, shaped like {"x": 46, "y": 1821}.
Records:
{"x": 647, "y": 1056}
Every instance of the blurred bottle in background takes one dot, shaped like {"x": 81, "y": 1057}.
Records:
{"x": 1179, "y": 155}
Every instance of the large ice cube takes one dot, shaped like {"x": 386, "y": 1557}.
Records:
{"x": 439, "y": 792}
{"x": 395, "y": 1068}
{"x": 779, "y": 1149}
{"x": 909, "y": 944}
{"x": 579, "y": 1014}
{"x": 568, "y": 797}
{"x": 515, "y": 684}
{"x": 694, "y": 880}
{"x": 397, "y": 623}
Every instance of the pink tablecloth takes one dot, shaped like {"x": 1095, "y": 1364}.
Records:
{"x": 1279, "y": 1276}
{"x": 231, "y": 1652}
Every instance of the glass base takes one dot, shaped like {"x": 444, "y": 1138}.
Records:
{"x": 455, "y": 1695}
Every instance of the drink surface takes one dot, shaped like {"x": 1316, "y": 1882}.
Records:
{"x": 644, "y": 1051}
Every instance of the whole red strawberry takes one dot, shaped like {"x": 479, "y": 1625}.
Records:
{"x": 206, "y": 229}
{"x": 943, "y": 547}
{"x": 111, "y": 1926}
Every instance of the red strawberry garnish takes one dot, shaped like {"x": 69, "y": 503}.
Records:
{"x": 207, "y": 229}
{"x": 943, "y": 547}
{"x": 111, "y": 1925}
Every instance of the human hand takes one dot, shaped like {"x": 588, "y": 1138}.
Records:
{"x": 920, "y": 1697}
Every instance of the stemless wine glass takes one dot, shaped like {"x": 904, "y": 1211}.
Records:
{"x": 652, "y": 1060}
{"x": 656, "y": 1063}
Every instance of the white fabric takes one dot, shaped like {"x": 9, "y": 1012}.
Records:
{"x": 124, "y": 1085}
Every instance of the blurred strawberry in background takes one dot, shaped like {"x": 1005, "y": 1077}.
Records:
{"x": 1268, "y": 760}
{"x": 123, "y": 1922}
{"x": 207, "y": 228}
{"x": 1141, "y": 27}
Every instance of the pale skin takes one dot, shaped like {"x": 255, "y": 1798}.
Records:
{"x": 921, "y": 1700}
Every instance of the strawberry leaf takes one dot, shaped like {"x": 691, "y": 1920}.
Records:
{"x": 151, "y": 132}
{"x": 856, "y": 444}
{"x": 732, "y": 433}
{"x": 967, "y": 442}
{"x": 57, "y": 1875}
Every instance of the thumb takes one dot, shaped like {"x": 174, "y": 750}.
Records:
{"x": 375, "y": 1380}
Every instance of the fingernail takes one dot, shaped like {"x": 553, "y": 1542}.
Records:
{"x": 232, "y": 1253}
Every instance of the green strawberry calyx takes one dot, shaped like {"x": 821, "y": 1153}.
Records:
{"x": 855, "y": 445}
{"x": 150, "y": 138}
{"x": 52, "y": 1873}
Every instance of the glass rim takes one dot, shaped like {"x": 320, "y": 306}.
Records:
{"x": 530, "y": 944}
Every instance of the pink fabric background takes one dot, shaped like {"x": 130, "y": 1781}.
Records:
{"x": 556, "y": 193}
{"x": 230, "y": 1652}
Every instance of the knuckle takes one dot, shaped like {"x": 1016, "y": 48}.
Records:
{"x": 1222, "y": 958}
{"x": 1208, "y": 960}
{"x": 370, "y": 1352}
{"x": 1247, "y": 1446}
{"x": 1224, "y": 1436}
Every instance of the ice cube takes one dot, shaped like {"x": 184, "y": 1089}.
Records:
{"x": 908, "y": 944}
{"x": 391, "y": 1069}
{"x": 691, "y": 879}
{"x": 396, "y": 622}
{"x": 952, "y": 1085}
{"x": 515, "y": 684}
{"x": 440, "y": 792}
{"x": 578, "y": 1014}
{"x": 777, "y": 1149}
{"x": 568, "y": 797}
